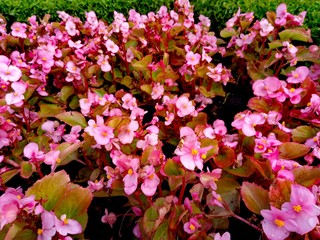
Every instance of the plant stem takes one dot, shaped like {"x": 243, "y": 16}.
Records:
{"x": 182, "y": 190}
{"x": 247, "y": 222}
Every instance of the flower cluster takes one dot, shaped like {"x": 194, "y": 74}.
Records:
{"x": 134, "y": 105}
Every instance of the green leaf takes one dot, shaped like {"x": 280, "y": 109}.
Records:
{"x": 142, "y": 65}
{"x": 171, "y": 168}
{"x": 146, "y": 88}
{"x": 66, "y": 92}
{"x": 299, "y": 34}
{"x": 68, "y": 152}
{"x": 6, "y": 176}
{"x": 72, "y": 118}
{"x": 50, "y": 189}
{"x": 255, "y": 197}
{"x": 49, "y": 110}
{"x": 75, "y": 204}
{"x": 306, "y": 175}
{"x": 302, "y": 133}
{"x": 27, "y": 169}
{"x": 162, "y": 231}
{"x": 244, "y": 171}
{"x": 15, "y": 228}
{"x": 279, "y": 192}
{"x": 292, "y": 150}
{"x": 228, "y": 32}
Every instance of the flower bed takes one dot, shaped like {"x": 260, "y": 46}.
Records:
{"x": 131, "y": 125}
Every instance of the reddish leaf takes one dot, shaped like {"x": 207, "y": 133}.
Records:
{"x": 279, "y": 192}
{"x": 306, "y": 175}
{"x": 292, "y": 150}
{"x": 225, "y": 157}
{"x": 255, "y": 197}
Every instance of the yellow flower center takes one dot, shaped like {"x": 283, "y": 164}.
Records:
{"x": 279, "y": 223}
{"x": 297, "y": 208}
{"x": 65, "y": 221}
{"x": 151, "y": 176}
{"x": 292, "y": 90}
{"x": 296, "y": 75}
{"x": 40, "y": 231}
{"x": 194, "y": 152}
{"x": 203, "y": 156}
{"x": 58, "y": 160}
{"x": 192, "y": 227}
{"x": 130, "y": 171}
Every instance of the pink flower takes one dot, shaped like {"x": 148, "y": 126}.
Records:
{"x": 71, "y": 28}
{"x": 31, "y": 151}
{"x": 19, "y": 30}
{"x": 184, "y": 106}
{"x": 193, "y": 58}
{"x": 150, "y": 181}
{"x": 191, "y": 155}
{"x": 266, "y": 27}
{"x": 109, "y": 218}
{"x": 131, "y": 179}
{"x": 66, "y": 226}
{"x": 281, "y": 14}
{"x": 127, "y": 133}
{"x": 103, "y": 134}
{"x": 53, "y": 130}
{"x": 169, "y": 118}
{"x": 16, "y": 97}
{"x": 48, "y": 229}
{"x": 111, "y": 46}
{"x": 191, "y": 226}
{"x": 267, "y": 87}
{"x": 250, "y": 121}
{"x": 103, "y": 62}
{"x": 277, "y": 224}
{"x": 302, "y": 208}
{"x": 96, "y": 185}
{"x": 208, "y": 179}
{"x": 9, "y": 72}
{"x": 129, "y": 102}
{"x": 294, "y": 94}
{"x": 73, "y": 137}
{"x": 225, "y": 236}
{"x": 52, "y": 158}
{"x": 157, "y": 91}
{"x": 298, "y": 75}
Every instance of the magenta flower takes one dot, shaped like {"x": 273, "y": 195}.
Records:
{"x": 277, "y": 224}
{"x": 73, "y": 136}
{"x": 191, "y": 226}
{"x": 294, "y": 94}
{"x": 9, "y": 72}
{"x": 302, "y": 208}
{"x": 31, "y": 151}
{"x": 52, "y": 158}
{"x": 131, "y": 179}
{"x": 109, "y": 218}
{"x": 267, "y": 87}
{"x": 48, "y": 229}
{"x": 150, "y": 181}
{"x": 66, "y": 226}
{"x": 298, "y": 75}
{"x": 103, "y": 134}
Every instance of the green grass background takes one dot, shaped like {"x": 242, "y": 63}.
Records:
{"x": 219, "y": 11}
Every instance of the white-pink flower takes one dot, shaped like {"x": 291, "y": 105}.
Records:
{"x": 17, "y": 96}
{"x": 66, "y": 226}
{"x": 184, "y": 106}
{"x": 9, "y": 72}
{"x": 111, "y": 46}
{"x": 31, "y": 151}
{"x": 193, "y": 58}
{"x": 127, "y": 133}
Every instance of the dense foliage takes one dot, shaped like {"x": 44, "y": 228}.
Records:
{"x": 139, "y": 105}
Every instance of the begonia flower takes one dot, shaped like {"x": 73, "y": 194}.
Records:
{"x": 65, "y": 226}
{"x": 109, "y": 218}
{"x": 184, "y": 106}
{"x": 302, "y": 208}
{"x": 31, "y": 151}
{"x": 9, "y": 72}
{"x": 150, "y": 181}
{"x": 48, "y": 229}
{"x": 191, "y": 226}
{"x": 277, "y": 224}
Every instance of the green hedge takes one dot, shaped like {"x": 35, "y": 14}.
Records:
{"x": 218, "y": 10}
